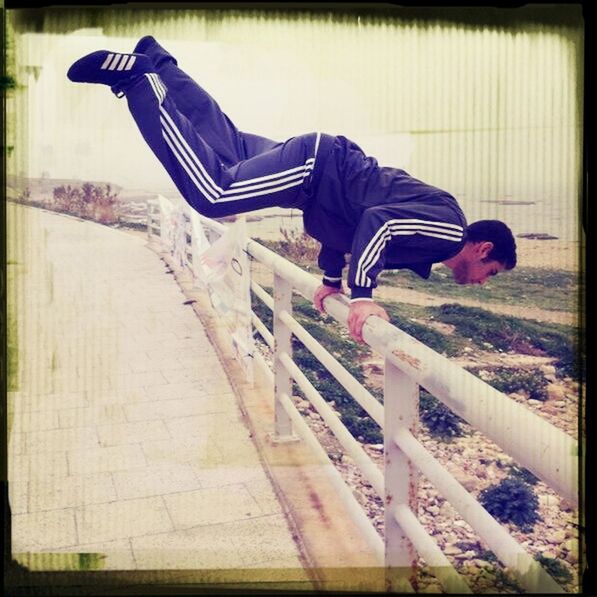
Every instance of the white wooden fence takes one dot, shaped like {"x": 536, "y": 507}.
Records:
{"x": 535, "y": 444}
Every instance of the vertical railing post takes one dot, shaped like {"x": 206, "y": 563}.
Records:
{"x": 401, "y": 409}
{"x": 283, "y": 345}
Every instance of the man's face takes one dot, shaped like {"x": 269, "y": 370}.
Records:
{"x": 473, "y": 269}
{"x": 476, "y": 272}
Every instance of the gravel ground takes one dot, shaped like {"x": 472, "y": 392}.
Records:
{"x": 477, "y": 463}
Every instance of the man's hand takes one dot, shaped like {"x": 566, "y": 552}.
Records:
{"x": 321, "y": 293}
{"x": 357, "y": 315}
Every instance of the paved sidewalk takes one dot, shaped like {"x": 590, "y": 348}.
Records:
{"x": 126, "y": 439}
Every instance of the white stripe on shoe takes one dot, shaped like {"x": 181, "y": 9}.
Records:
{"x": 107, "y": 61}
{"x": 130, "y": 63}
{"x": 372, "y": 252}
{"x": 114, "y": 62}
{"x": 122, "y": 62}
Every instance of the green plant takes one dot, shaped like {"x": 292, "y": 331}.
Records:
{"x": 523, "y": 474}
{"x": 521, "y": 335}
{"x": 425, "y": 334}
{"x": 512, "y": 500}
{"x": 438, "y": 418}
{"x": 508, "y": 380}
{"x": 555, "y": 568}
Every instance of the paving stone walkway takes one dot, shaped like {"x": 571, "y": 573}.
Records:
{"x": 125, "y": 436}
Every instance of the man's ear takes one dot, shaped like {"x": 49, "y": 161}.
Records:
{"x": 484, "y": 248}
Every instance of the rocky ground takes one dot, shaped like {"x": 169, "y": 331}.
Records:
{"x": 477, "y": 463}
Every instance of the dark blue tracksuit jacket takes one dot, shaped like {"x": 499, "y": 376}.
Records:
{"x": 383, "y": 217}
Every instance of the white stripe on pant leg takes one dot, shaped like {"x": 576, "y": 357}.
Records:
{"x": 248, "y": 181}
{"x": 305, "y": 171}
{"x": 176, "y": 150}
{"x": 107, "y": 61}
{"x": 217, "y": 189}
{"x": 154, "y": 88}
{"x": 188, "y": 170}
{"x": 158, "y": 85}
{"x": 196, "y": 159}
{"x": 185, "y": 160}
{"x": 192, "y": 162}
{"x": 191, "y": 158}
{"x": 261, "y": 193}
{"x": 130, "y": 63}
{"x": 191, "y": 174}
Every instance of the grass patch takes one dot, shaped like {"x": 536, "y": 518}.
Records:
{"x": 520, "y": 335}
{"x": 438, "y": 418}
{"x": 510, "y": 380}
{"x": 556, "y": 290}
{"x": 555, "y": 569}
{"x": 402, "y": 318}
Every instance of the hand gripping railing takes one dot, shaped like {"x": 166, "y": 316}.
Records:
{"x": 534, "y": 443}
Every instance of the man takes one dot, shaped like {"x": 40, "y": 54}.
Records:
{"x": 383, "y": 217}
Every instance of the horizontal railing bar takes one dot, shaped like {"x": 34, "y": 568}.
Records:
{"x": 354, "y": 387}
{"x": 262, "y": 329}
{"x": 534, "y": 443}
{"x": 344, "y": 493}
{"x": 428, "y": 549}
{"x": 506, "y": 548}
{"x": 349, "y": 443}
{"x": 263, "y": 295}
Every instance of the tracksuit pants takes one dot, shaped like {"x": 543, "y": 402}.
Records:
{"x": 218, "y": 169}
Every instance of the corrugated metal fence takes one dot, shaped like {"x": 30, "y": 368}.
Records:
{"x": 488, "y": 112}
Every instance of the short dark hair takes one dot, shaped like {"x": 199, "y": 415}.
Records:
{"x": 495, "y": 231}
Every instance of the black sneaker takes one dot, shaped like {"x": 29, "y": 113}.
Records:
{"x": 109, "y": 68}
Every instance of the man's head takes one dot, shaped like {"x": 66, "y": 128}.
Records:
{"x": 490, "y": 248}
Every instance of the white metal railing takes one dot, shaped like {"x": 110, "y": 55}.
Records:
{"x": 535, "y": 444}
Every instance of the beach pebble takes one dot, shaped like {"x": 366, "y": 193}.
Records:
{"x": 557, "y": 537}
{"x": 555, "y": 392}
{"x": 548, "y": 500}
{"x": 452, "y": 550}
